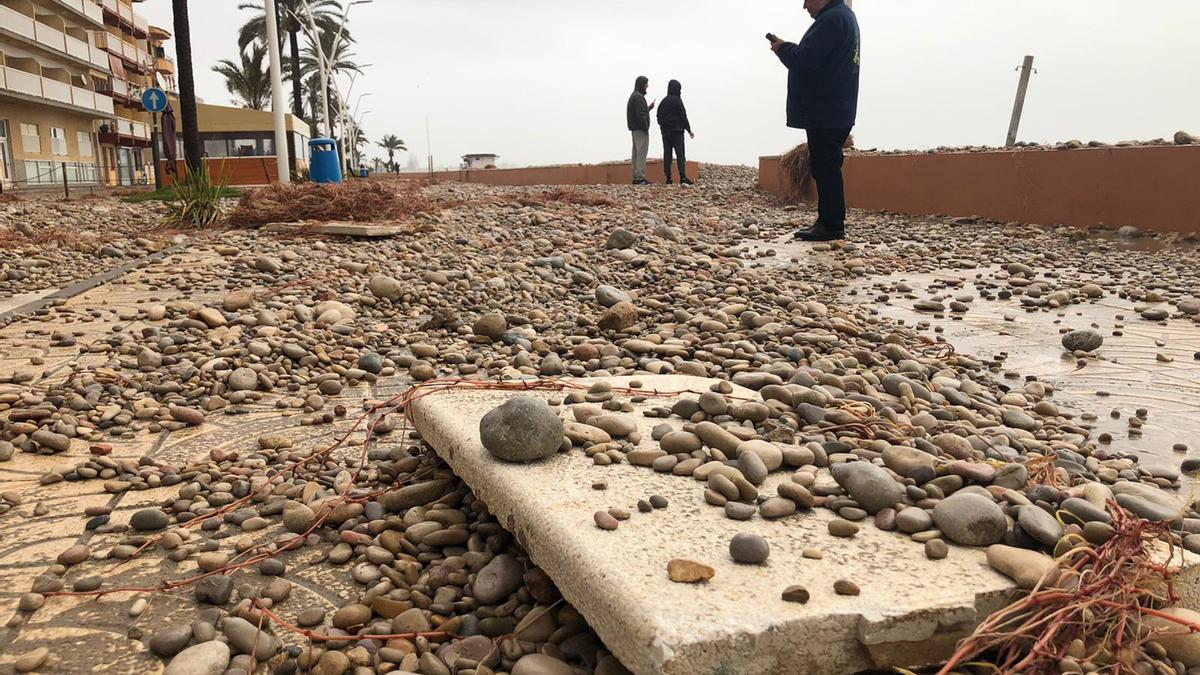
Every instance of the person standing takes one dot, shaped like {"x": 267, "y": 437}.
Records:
{"x": 823, "y": 72}
{"x": 673, "y": 121}
{"x": 637, "y": 114}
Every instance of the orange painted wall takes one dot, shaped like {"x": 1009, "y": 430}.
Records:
{"x": 1151, "y": 187}
{"x": 235, "y": 170}
{"x": 576, "y": 174}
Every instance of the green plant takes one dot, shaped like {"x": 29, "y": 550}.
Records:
{"x": 196, "y": 202}
{"x": 167, "y": 193}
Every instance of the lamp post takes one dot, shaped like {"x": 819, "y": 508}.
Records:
{"x": 277, "y": 104}
{"x": 354, "y": 120}
{"x": 325, "y": 61}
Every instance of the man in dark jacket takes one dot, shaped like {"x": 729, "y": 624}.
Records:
{"x": 673, "y": 121}
{"x": 637, "y": 115}
{"x": 823, "y": 99}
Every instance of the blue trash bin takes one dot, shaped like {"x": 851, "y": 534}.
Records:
{"x": 363, "y": 173}
{"x": 324, "y": 165}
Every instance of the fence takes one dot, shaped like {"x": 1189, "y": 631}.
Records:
{"x": 75, "y": 177}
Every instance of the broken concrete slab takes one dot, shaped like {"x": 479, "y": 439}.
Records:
{"x": 911, "y": 610}
{"x": 343, "y": 229}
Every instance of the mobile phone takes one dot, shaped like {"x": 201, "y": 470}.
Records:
{"x": 771, "y": 38}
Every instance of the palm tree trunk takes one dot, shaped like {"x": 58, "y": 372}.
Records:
{"x": 297, "y": 88}
{"x": 187, "y": 85}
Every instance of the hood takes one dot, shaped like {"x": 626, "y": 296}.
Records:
{"x": 640, "y": 84}
{"x": 674, "y": 88}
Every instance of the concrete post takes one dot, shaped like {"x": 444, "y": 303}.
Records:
{"x": 278, "y": 109}
{"x": 1019, "y": 104}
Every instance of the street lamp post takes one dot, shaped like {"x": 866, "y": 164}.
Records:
{"x": 325, "y": 61}
{"x": 277, "y": 104}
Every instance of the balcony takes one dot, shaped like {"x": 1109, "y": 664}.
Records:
{"x": 30, "y": 84}
{"x": 126, "y": 132}
{"x": 130, "y": 53}
{"x": 164, "y": 64}
{"x": 123, "y": 16}
{"x": 89, "y": 9}
{"x": 126, "y": 93}
{"x": 18, "y": 23}
{"x": 51, "y": 38}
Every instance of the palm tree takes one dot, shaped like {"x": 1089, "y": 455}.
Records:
{"x": 392, "y": 143}
{"x": 249, "y": 81}
{"x": 340, "y": 61}
{"x": 187, "y": 85}
{"x": 327, "y": 14}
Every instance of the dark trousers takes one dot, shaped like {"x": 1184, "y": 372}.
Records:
{"x": 825, "y": 152}
{"x": 673, "y": 143}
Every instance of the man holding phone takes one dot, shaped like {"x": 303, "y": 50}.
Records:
{"x": 637, "y": 117}
{"x": 823, "y": 100}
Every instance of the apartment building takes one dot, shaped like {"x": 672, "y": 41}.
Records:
{"x": 71, "y": 77}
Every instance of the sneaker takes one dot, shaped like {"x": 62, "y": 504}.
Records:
{"x": 822, "y": 233}
{"x": 669, "y": 181}
{"x": 641, "y": 182}
{"x": 685, "y": 181}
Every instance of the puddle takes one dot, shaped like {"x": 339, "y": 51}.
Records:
{"x": 1129, "y": 376}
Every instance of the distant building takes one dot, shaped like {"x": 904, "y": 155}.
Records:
{"x": 71, "y": 75}
{"x": 239, "y": 143}
{"x": 479, "y": 161}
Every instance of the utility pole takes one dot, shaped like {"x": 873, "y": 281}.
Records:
{"x": 428, "y": 145}
{"x": 1019, "y": 105}
{"x": 277, "y": 105}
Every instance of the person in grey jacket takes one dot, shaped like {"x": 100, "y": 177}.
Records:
{"x": 637, "y": 116}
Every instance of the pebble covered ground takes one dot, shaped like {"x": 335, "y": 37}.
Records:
{"x": 872, "y": 417}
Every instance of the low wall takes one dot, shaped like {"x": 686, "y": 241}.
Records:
{"x": 1151, "y": 187}
{"x": 575, "y": 174}
{"x": 233, "y": 170}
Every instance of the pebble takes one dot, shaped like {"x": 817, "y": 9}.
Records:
{"x": 206, "y": 658}
{"x": 170, "y": 641}
{"x": 148, "y": 520}
{"x": 1082, "y": 341}
{"x": 749, "y": 549}
{"x": 844, "y": 587}
{"x": 842, "y": 528}
{"x": 605, "y": 521}
{"x": 797, "y": 594}
{"x": 540, "y": 664}
{"x": 688, "y": 571}
{"x": 970, "y": 519}
{"x": 31, "y": 660}
{"x": 1023, "y": 566}
{"x": 936, "y": 549}
{"x": 522, "y": 429}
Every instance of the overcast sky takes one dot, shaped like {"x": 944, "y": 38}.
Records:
{"x": 545, "y": 81}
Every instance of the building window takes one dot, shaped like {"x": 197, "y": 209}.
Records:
{"x": 85, "y": 144}
{"x": 58, "y": 141}
{"x": 31, "y": 140}
{"x": 214, "y": 148}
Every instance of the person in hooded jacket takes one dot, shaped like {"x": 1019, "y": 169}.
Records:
{"x": 637, "y": 117}
{"x": 673, "y": 122}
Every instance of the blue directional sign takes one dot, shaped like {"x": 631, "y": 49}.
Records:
{"x": 154, "y": 99}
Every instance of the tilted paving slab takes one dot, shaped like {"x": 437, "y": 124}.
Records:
{"x": 910, "y": 612}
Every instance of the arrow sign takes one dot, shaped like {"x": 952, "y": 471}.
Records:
{"x": 154, "y": 99}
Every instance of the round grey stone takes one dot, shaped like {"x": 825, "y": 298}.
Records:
{"x": 750, "y": 549}
{"x": 970, "y": 519}
{"x": 523, "y": 429}
{"x": 1082, "y": 341}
